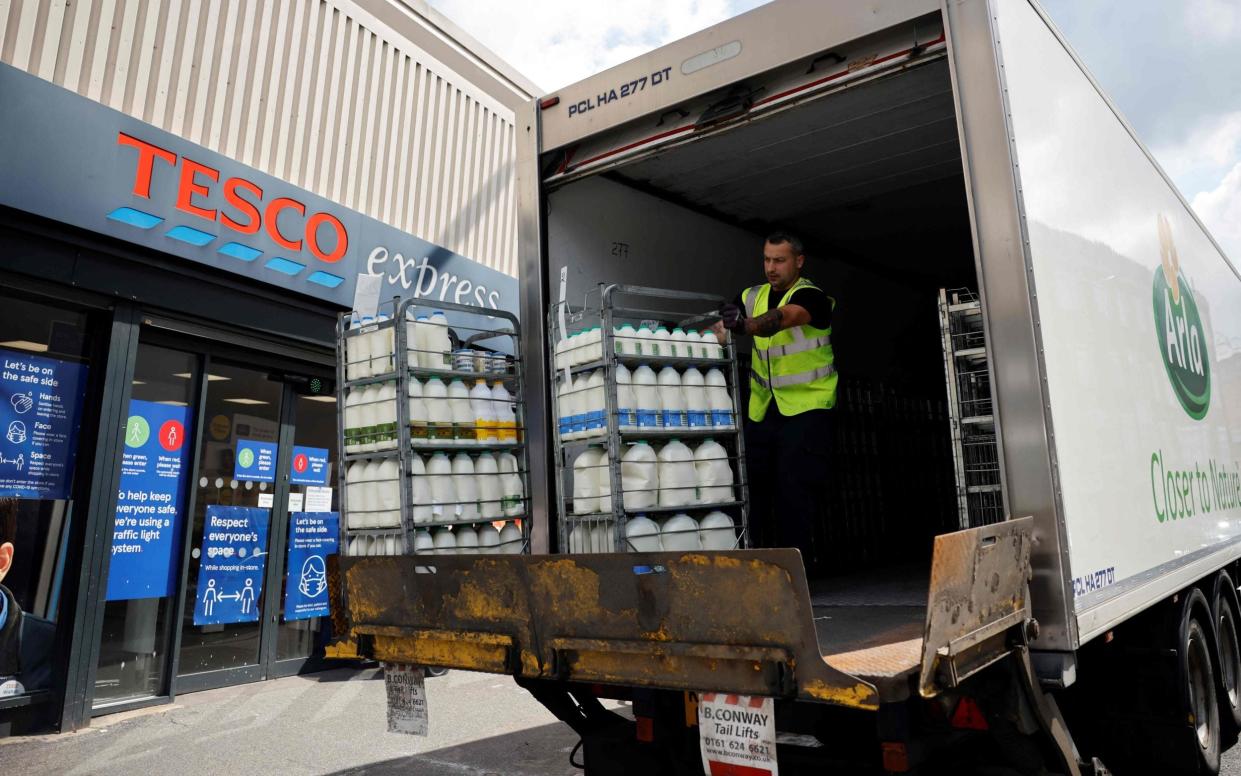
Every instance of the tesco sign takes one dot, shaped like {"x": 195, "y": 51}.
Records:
{"x": 248, "y": 212}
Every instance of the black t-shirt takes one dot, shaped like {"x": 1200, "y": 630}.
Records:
{"x": 813, "y": 300}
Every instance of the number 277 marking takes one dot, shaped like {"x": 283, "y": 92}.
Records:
{"x": 633, "y": 87}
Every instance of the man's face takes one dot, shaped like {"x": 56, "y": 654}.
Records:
{"x": 781, "y": 265}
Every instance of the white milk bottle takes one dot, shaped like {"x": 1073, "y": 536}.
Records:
{"x": 565, "y": 408}
{"x": 586, "y": 481}
{"x": 713, "y": 473}
{"x": 581, "y": 406}
{"x": 411, "y": 339}
{"x": 626, "y": 402}
{"x": 387, "y": 416}
{"x": 596, "y": 405}
{"x": 662, "y": 342}
{"x": 369, "y": 411}
{"x": 646, "y": 395}
{"x": 490, "y": 489}
{"x": 371, "y": 496}
{"x": 357, "y": 350}
{"x": 679, "y": 533}
{"x": 672, "y": 399}
{"x": 420, "y": 485}
{"x": 354, "y": 545}
{"x": 507, "y": 463}
{"x": 603, "y": 476}
{"x": 642, "y": 534}
{"x": 625, "y": 340}
{"x": 560, "y": 359}
{"x": 462, "y": 414}
{"x": 443, "y": 492}
{"x": 645, "y": 342}
{"x": 510, "y": 539}
{"x": 722, "y": 415}
{"x": 710, "y": 344}
{"x": 382, "y": 345}
{"x": 482, "y": 404}
{"x": 488, "y": 539}
{"x": 678, "y": 482}
{"x": 439, "y": 344}
{"x": 445, "y": 542}
{"x": 419, "y": 418}
{"x": 512, "y": 493}
{"x": 594, "y": 344}
{"x": 717, "y": 531}
{"x": 365, "y": 342}
{"x": 423, "y": 543}
{"x": 697, "y": 405}
{"x": 693, "y": 347}
{"x": 389, "y": 493}
{"x": 602, "y": 538}
{"x": 356, "y": 495}
{"x": 569, "y": 350}
{"x": 639, "y": 477}
{"x": 421, "y": 342}
{"x": 579, "y": 539}
{"x": 439, "y": 413}
{"x": 680, "y": 343}
{"x": 466, "y": 485}
{"x": 467, "y": 540}
{"x": 505, "y": 413}
{"x": 353, "y": 420}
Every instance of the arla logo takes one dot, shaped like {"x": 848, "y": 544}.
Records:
{"x": 1182, "y": 337}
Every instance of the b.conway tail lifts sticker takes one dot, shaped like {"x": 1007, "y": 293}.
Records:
{"x": 407, "y": 699}
{"x": 737, "y": 735}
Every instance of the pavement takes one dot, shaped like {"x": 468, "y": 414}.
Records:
{"x": 333, "y": 722}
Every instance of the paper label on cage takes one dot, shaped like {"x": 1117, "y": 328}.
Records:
{"x": 737, "y": 735}
{"x": 407, "y": 699}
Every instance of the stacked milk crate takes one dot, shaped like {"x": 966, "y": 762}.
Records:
{"x": 645, "y": 409}
{"x": 431, "y": 429}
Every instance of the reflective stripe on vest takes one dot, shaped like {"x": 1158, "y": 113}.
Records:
{"x": 784, "y": 381}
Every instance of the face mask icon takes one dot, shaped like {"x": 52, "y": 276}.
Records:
{"x": 16, "y": 433}
{"x": 314, "y": 577}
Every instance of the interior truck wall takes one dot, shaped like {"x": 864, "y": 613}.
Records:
{"x": 1141, "y": 326}
{"x": 607, "y": 232}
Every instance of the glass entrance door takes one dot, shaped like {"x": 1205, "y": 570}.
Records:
{"x": 239, "y": 496}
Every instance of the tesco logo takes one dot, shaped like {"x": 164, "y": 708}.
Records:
{"x": 322, "y": 234}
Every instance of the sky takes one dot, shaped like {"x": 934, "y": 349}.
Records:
{"x": 1170, "y": 66}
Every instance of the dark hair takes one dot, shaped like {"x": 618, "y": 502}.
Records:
{"x": 779, "y": 238}
{"x": 8, "y": 520}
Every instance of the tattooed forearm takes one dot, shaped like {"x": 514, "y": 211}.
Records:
{"x": 767, "y": 324}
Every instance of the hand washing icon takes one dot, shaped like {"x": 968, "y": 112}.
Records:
{"x": 22, "y": 403}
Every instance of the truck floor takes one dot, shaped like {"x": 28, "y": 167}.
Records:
{"x": 870, "y": 625}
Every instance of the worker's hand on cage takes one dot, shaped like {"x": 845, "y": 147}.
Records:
{"x": 733, "y": 318}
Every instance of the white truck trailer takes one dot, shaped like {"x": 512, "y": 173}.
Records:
{"x": 917, "y": 145}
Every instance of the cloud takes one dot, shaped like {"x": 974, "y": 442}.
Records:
{"x": 1220, "y": 210}
{"x": 559, "y": 42}
{"x": 1206, "y": 153}
{"x": 1213, "y": 19}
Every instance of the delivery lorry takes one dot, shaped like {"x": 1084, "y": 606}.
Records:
{"x": 917, "y": 145}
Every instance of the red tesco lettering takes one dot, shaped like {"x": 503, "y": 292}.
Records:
{"x": 245, "y": 197}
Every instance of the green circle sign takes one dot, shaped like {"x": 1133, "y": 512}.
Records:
{"x": 245, "y": 458}
{"x": 137, "y": 431}
{"x": 1182, "y": 343}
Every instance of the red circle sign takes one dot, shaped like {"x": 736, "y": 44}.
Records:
{"x": 300, "y": 463}
{"x": 171, "y": 435}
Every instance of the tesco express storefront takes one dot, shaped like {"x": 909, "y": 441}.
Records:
{"x": 166, "y": 316}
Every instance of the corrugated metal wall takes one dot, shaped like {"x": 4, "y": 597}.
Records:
{"x": 316, "y": 92}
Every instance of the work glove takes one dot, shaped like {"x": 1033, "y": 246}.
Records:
{"x": 733, "y": 318}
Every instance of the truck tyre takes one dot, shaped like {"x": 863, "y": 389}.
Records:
{"x": 1195, "y": 649}
{"x": 1224, "y": 607}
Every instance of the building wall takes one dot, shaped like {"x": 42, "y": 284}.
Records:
{"x": 319, "y": 93}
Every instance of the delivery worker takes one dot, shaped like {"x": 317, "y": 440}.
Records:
{"x": 792, "y": 392}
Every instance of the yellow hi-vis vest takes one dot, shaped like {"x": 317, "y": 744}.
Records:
{"x": 796, "y": 365}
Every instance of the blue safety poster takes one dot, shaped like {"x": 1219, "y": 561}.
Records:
{"x": 309, "y": 466}
{"x": 149, "y": 502}
{"x": 312, "y": 537}
{"x": 231, "y": 565}
{"x": 255, "y": 461}
{"x": 40, "y": 410}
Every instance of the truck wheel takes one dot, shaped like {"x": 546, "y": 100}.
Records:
{"x": 1225, "y": 609}
{"x": 1194, "y": 651}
